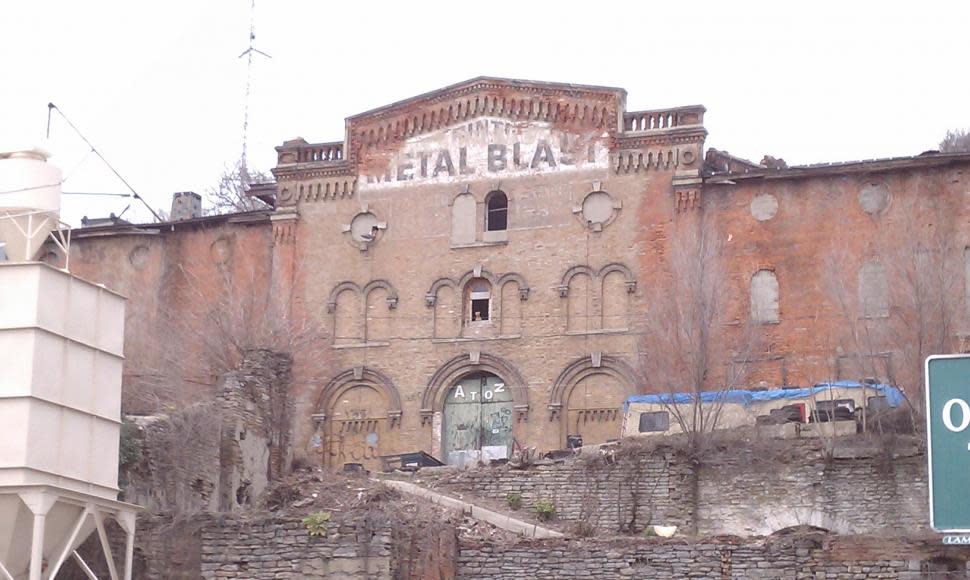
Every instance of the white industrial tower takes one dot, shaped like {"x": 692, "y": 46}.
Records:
{"x": 61, "y": 341}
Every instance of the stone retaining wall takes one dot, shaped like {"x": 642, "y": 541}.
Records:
{"x": 808, "y": 556}
{"x": 748, "y": 490}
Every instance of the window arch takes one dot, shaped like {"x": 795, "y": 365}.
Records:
{"x": 478, "y": 300}
{"x": 496, "y": 211}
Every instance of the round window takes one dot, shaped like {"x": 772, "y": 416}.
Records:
{"x": 364, "y": 227}
{"x": 597, "y": 207}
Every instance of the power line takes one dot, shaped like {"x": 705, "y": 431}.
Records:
{"x": 52, "y": 107}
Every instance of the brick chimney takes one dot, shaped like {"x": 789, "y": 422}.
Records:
{"x": 186, "y": 205}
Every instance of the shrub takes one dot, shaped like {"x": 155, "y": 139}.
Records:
{"x": 545, "y": 509}
{"x": 514, "y": 499}
{"x": 316, "y": 524}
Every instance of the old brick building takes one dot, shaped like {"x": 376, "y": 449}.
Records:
{"x": 473, "y": 264}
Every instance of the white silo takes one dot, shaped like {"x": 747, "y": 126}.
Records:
{"x": 30, "y": 202}
{"x": 60, "y": 390}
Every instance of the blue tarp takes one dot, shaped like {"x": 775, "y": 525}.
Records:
{"x": 893, "y": 395}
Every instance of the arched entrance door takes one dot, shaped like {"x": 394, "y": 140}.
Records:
{"x": 477, "y": 422}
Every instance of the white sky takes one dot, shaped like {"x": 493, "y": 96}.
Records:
{"x": 158, "y": 87}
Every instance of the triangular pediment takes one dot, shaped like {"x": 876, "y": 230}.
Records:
{"x": 491, "y": 127}
{"x": 522, "y": 125}
{"x": 482, "y": 88}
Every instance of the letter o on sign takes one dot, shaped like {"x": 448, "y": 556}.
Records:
{"x": 964, "y": 415}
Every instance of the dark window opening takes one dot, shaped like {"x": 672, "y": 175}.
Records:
{"x": 878, "y": 403}
{"x": 496, "y": 211}
{"x": 787, "y": 414}
{"x": 838, "y": 410}
{"x": 655, "y": 421}
{"x": 479, "y": 309}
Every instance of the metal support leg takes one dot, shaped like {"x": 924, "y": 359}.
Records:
{"x": 127, "y": 522}
{"x": 84, "y": 566}
{"x": 37, "y": 547}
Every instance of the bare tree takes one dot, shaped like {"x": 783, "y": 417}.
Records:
{"x": 921, "y": 264}
{"x": 956, "y": 141}
{"x": 683, "y": 339}
{"x": 228, "y": 310}
{"x": 230, "y": 193}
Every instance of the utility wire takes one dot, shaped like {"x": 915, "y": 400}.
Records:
{"x": 52, "y": 106}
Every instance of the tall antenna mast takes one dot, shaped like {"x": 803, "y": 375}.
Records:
{"x": 248, "y": 53}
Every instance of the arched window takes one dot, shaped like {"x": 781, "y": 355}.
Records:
{"x": 873, "y": 290}
{"x": 479, "y": 298}
{"x": 764, "y": 297}
{"x": 496, "y": 211}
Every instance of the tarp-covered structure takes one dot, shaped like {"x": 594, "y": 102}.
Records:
{"x": 894, "y": 397}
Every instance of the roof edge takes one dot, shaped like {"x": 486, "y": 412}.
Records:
{"x": 480, "y": 79}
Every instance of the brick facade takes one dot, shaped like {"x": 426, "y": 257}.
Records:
{"x": 378, "y": 241}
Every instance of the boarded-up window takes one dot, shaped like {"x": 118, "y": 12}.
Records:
{"x": 348, "y": 325}
{"x": 654, "y": 421}
{"x": 463, "y": 220}
{"x": 447, "y": 313}
{"x": 764, "y": 296}
{"x": 579, "y": 316}
{"x": 378, "y": 321}
{"x": 873, "y": 290}
{"x": 511, "y": 309}
{"x": 614, "y": 300}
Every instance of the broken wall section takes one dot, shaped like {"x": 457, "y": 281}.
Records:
{"x": 217, "y": 456}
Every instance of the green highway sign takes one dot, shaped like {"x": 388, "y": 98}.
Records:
{"x": 948, "y": 441}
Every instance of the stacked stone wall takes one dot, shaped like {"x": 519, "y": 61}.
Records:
{"x": 808, "y": 556}
{"x": 754, "y": 489}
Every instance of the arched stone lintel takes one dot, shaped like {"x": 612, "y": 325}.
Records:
{"x": 467, "y": 276}
{"x": 628, "y": 279}
{"x": 341, "y": 287}
{"x": 584, "y": 367}
{"x": 572, "y": 273}
{"x": 431, "y": 296}
{"x": 519, "y": 279}
{"x": 391, "y": 292}
{"x": 360, "y": 376}
{"x": 448, "y": 374}
{"x": 780, "y": 519}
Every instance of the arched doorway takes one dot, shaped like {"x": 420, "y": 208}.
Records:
{"x": 588, "y": 397}
{"x": 594, "y": 409}
{"x": 477, "y": 421}
{"x": 356, "y": 413}
{"x": 356, "y": 427}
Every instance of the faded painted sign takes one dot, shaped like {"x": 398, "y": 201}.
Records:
{"x": 489, "y": 148}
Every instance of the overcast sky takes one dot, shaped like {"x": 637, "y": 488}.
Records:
{"x": 158, "y": 88}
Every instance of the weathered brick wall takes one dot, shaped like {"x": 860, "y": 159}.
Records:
{"x": 747, "y": 491}
{"x": 813, "y": 556}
